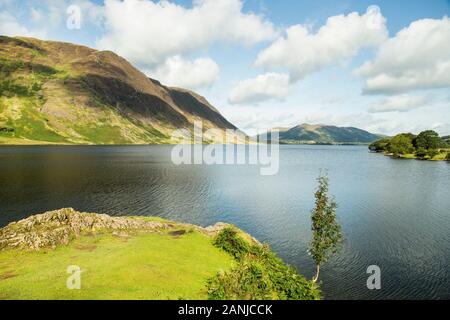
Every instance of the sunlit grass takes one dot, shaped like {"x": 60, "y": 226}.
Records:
{"x": 151, "y": 266}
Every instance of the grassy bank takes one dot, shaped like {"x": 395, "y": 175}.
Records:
{"x": 137, "y": 267}
{"x": 140, "y": 258}
{"x": 440, "y": 156}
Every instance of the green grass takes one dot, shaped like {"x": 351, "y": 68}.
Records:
{"x": 150, "y": 266}
{"x": 102, "y": 134}
{"x": 439, "y": 157}
{"x": 408, "y": 156}
{"x": 21, "y": 89}
{"x": 31, "y": 124}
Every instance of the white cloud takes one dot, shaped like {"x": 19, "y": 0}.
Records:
{"x": 441, "y": 128}
{"x": 56, "y": 12}
{"x": 178, "y": 72}
{"x": 264, "y": 87}
{"x": 36, "y": 15}
{"x": 303, "y": 52}
{"x": 400, "y": 103}
{"x": 40, "y": 19}
{"x": 418, "y": 57}
{"x": 253, "y": 122}
{"x": 10, "y": 26}
{"x": 147, "y": 33}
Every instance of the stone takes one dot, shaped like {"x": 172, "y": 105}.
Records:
{"x": 60, "y": 227}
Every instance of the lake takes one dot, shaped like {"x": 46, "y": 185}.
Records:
{"x": 395, "y": 213}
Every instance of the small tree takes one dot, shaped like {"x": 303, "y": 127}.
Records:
{"x": 380, "y": 145}
{"x": 327, "y": 235}
{"x": 401, "y": 144}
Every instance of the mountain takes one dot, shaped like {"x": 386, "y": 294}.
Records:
{"x": 322, "y": 134}
{"x": 55, "y": 92}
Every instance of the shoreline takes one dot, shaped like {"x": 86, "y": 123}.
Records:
{"x": 437, "y": 158}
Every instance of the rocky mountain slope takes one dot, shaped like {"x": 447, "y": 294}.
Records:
{"x": 323, "y": 134}
{"x": 56, "y": 92}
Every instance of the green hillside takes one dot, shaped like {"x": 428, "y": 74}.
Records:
{"x": 322, "y": 134}
{"x": 54, "y": 92}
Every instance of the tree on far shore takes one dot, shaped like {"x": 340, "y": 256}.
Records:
{"x": 401, "y": 144}
{"x": 426, "y": 145}
{"x": 428, "y": 140}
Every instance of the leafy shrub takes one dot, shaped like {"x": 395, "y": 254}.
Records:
{"x": 6, "y": 130}
{"x": 401, "y": 144}
{"x": 432, "y": 153}
{"x": 10, "y": 89}
{"x": 230, "y": 242}
{"x": 260, "y": 274}
{"x": 9, "y": 66}
{"x": 380, "y": 145}
{"x": 421, "y": 153}
{"x": 448, "y": 156}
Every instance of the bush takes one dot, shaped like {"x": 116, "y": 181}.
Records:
{"x": 421, "y": 153}
{"x": 432, "y": 153}
{"x": 401, "y": 144}
{"x": 448, "y": 156}
{"x": 230, "y": 242}
{"x": 379, "y": 146}
{"x": 260, "y": 275}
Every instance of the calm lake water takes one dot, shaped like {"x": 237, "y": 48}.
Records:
{"x": 394, "y": 213}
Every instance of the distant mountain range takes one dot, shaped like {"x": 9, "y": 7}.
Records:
{"x": 323, "y": 134}
{"x": 54, "y": 92}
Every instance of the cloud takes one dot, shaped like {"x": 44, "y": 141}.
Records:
{"x": 303, "y": 52}
{"x": 178, "y": 72}
{"x": 41, "y": 19}
{"x": 147, "y": 33}
{"x": 9, "y": 26}
{"x": 269, "y": 86}
{"x": 441, "y": 128}
{"x": 253, "y": 122}
{"x": 400, "y": 103}
{"x": 56, "y": 12}
{"x": 36, "y": 15}
{"x": 418, "y": 57}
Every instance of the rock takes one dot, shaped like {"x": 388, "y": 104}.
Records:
{"x": 50, "y": 229}
{"x": 215, "y": 229}
{"x": 60, "y": 227}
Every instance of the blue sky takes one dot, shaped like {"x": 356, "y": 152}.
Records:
{"x": 266, "y": 63}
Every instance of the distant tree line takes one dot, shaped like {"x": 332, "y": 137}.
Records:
{"x": 426, "y": 145}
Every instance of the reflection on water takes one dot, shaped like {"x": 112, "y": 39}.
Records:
{"x": 395, "y": 213}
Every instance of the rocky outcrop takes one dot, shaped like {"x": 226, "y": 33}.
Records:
{"x": 50, "y": 229}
